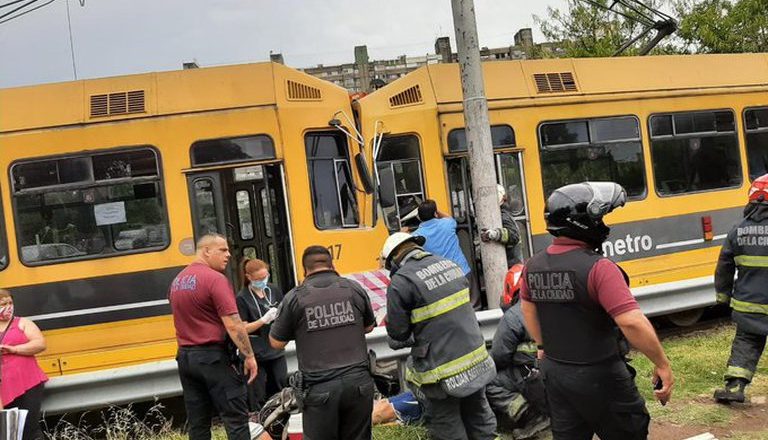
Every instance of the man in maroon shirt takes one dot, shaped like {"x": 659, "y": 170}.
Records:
{"x": 204, "y": 312}
{"x": 578, "y": 308}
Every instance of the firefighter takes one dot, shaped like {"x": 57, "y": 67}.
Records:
{"x": 573, "y": 301}
{"x": 449, "y": 367}
{"x": 508, "y": 234}
{"x": 745, "y": 248}
{"x": 517, "y": 394}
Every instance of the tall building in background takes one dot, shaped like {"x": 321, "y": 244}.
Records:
{"x": 364, "y": 75}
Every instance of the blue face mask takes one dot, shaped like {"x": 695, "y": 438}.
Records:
{"x": 260, "y": 284}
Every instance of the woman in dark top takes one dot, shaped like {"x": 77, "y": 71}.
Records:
{"x": 257, "y": 303}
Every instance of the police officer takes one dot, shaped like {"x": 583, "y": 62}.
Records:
{"x": 204, "y": 312}
{"x": 508, "y": 235}
{"x": 517, "y": 393}
{"x": 745, "y": 248}
{"x": 573, "y": 301}
{"x": 328, "y": 316}
{"x": 428, "y": 301}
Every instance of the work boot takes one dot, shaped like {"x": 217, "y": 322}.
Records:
{"x": 733, "y": 391}
{"x": 532, "y": 428}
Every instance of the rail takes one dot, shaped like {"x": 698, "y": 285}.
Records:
{"x": 79, "y": 392}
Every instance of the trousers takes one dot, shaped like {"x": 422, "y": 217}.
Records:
{"x": 340, "y": 408}
{"x": 746, "y": 350}
{"x": 210, "y": 383}
{"x": 593, "y": 399}
{"x": 467, "y": 418}
{"x": 272, "y": 377}
{"x": 31, "y": 401}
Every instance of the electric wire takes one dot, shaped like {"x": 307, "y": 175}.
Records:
{"x": 18, "y": 9}
{"x": 11, "y": 3}
{"x": 25, "y": 12}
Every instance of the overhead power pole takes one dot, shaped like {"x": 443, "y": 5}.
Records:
{"x": 478, "y": 129}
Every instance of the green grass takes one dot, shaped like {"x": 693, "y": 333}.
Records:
{"x": 698, "y": 362}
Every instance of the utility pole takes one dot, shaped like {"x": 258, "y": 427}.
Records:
{"x": 478, "y": 129}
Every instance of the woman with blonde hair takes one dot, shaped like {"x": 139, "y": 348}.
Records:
{"x": 22, "y": 380}
{"x": 257, "y": 303}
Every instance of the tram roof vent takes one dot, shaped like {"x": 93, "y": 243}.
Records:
{"x": 301, "y": 92}
{"x": 555, "y": 82}
{"x": 118, "y": 103}
{"x": 409, "y": 96}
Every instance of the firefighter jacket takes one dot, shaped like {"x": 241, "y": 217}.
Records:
{"x": 746, "y": 249}
{"x": 510, "y": 236}
{"x": 428, "y": 298}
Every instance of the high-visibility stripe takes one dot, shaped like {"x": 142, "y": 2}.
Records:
{"x": 748, "y": 307}
{"x": 738, "y": 373}
{"x": 751, "y": 261}
{"x": 527, "y": 347}
{"x": 723, "y": 298}
{"x": 447, "y": 369}
{"x": 440, "y": 307}
{"x": 504, "y": 235}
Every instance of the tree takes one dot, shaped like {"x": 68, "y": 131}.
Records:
{"x": 584, "y": 29}
{"x": 722, "y": 26}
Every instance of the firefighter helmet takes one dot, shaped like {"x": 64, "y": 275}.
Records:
{"x": 512, "y": 283}
{"x": 758, "y": 192}
{"x": 577, "y": 210}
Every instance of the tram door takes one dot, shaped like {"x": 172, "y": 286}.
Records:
{"x": 509, "y": 173}
{"x": 248, "y": 206}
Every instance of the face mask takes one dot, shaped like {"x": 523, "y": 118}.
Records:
{"x": 260, "y": 284}
{"x": 6, "y": 312}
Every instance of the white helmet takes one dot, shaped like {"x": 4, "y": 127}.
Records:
{"x": 395, "y": 240}
{"x": 500, "y": 193}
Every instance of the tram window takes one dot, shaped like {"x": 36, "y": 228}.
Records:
{"x": 205, "y": 208}
{"x": 92, "y": 206}
{"x": 502, "y": 136}
{"x": 756, "y": 122}
{"x": 331, "y": 185}
{"x": 607, "y": 149}
{"x": 398, "y": 167}
{"x": 244, "y": 217}
{"x": 694, "y": 151}
{"x": 231, "y": 150}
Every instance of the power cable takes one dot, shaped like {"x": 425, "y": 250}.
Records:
{"x": 11, "y": 3}
{"x": 17, "y": 9}
{"x": 25, "y": 12}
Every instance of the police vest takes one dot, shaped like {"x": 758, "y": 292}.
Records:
{"x": 575, "y": 328}
{"x": 749, "y": 243}
{"x": 331, "y": 332}
{"x": 449, "y": 345}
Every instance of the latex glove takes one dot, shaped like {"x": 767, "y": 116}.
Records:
{"x": 270, "y": 316}
{"x": 490, "y": 235}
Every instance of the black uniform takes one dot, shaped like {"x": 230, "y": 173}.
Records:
{"x": 746, "y": 248}
{"x": 510, "y": 236}
{"x": 590, "y": 388}
{"x": 327, "y": 316}
{"x": 516, "y": 394}
{"x": 273, "y": 369}
{"x": 428, "y": 299}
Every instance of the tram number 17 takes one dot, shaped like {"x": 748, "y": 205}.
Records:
{"x": 335, "y": 250}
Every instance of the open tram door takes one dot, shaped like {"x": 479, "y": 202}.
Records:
{"x": 509, "y": 173}
{"x": 247, "y": 204}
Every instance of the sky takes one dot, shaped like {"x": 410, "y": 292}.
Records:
{"x": 119, "y": 37}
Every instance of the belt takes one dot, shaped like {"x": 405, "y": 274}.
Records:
{"x": 204, "y": 347}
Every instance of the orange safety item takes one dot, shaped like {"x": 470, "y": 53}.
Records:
{"x": 758, "y": 192}
{"x": 512, "y": 283}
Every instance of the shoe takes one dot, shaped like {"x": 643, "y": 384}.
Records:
{"x": 733, "y": 391}
{"x": 532, "y": 428}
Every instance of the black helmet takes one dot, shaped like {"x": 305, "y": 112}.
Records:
{"x": 577, "y": 210}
